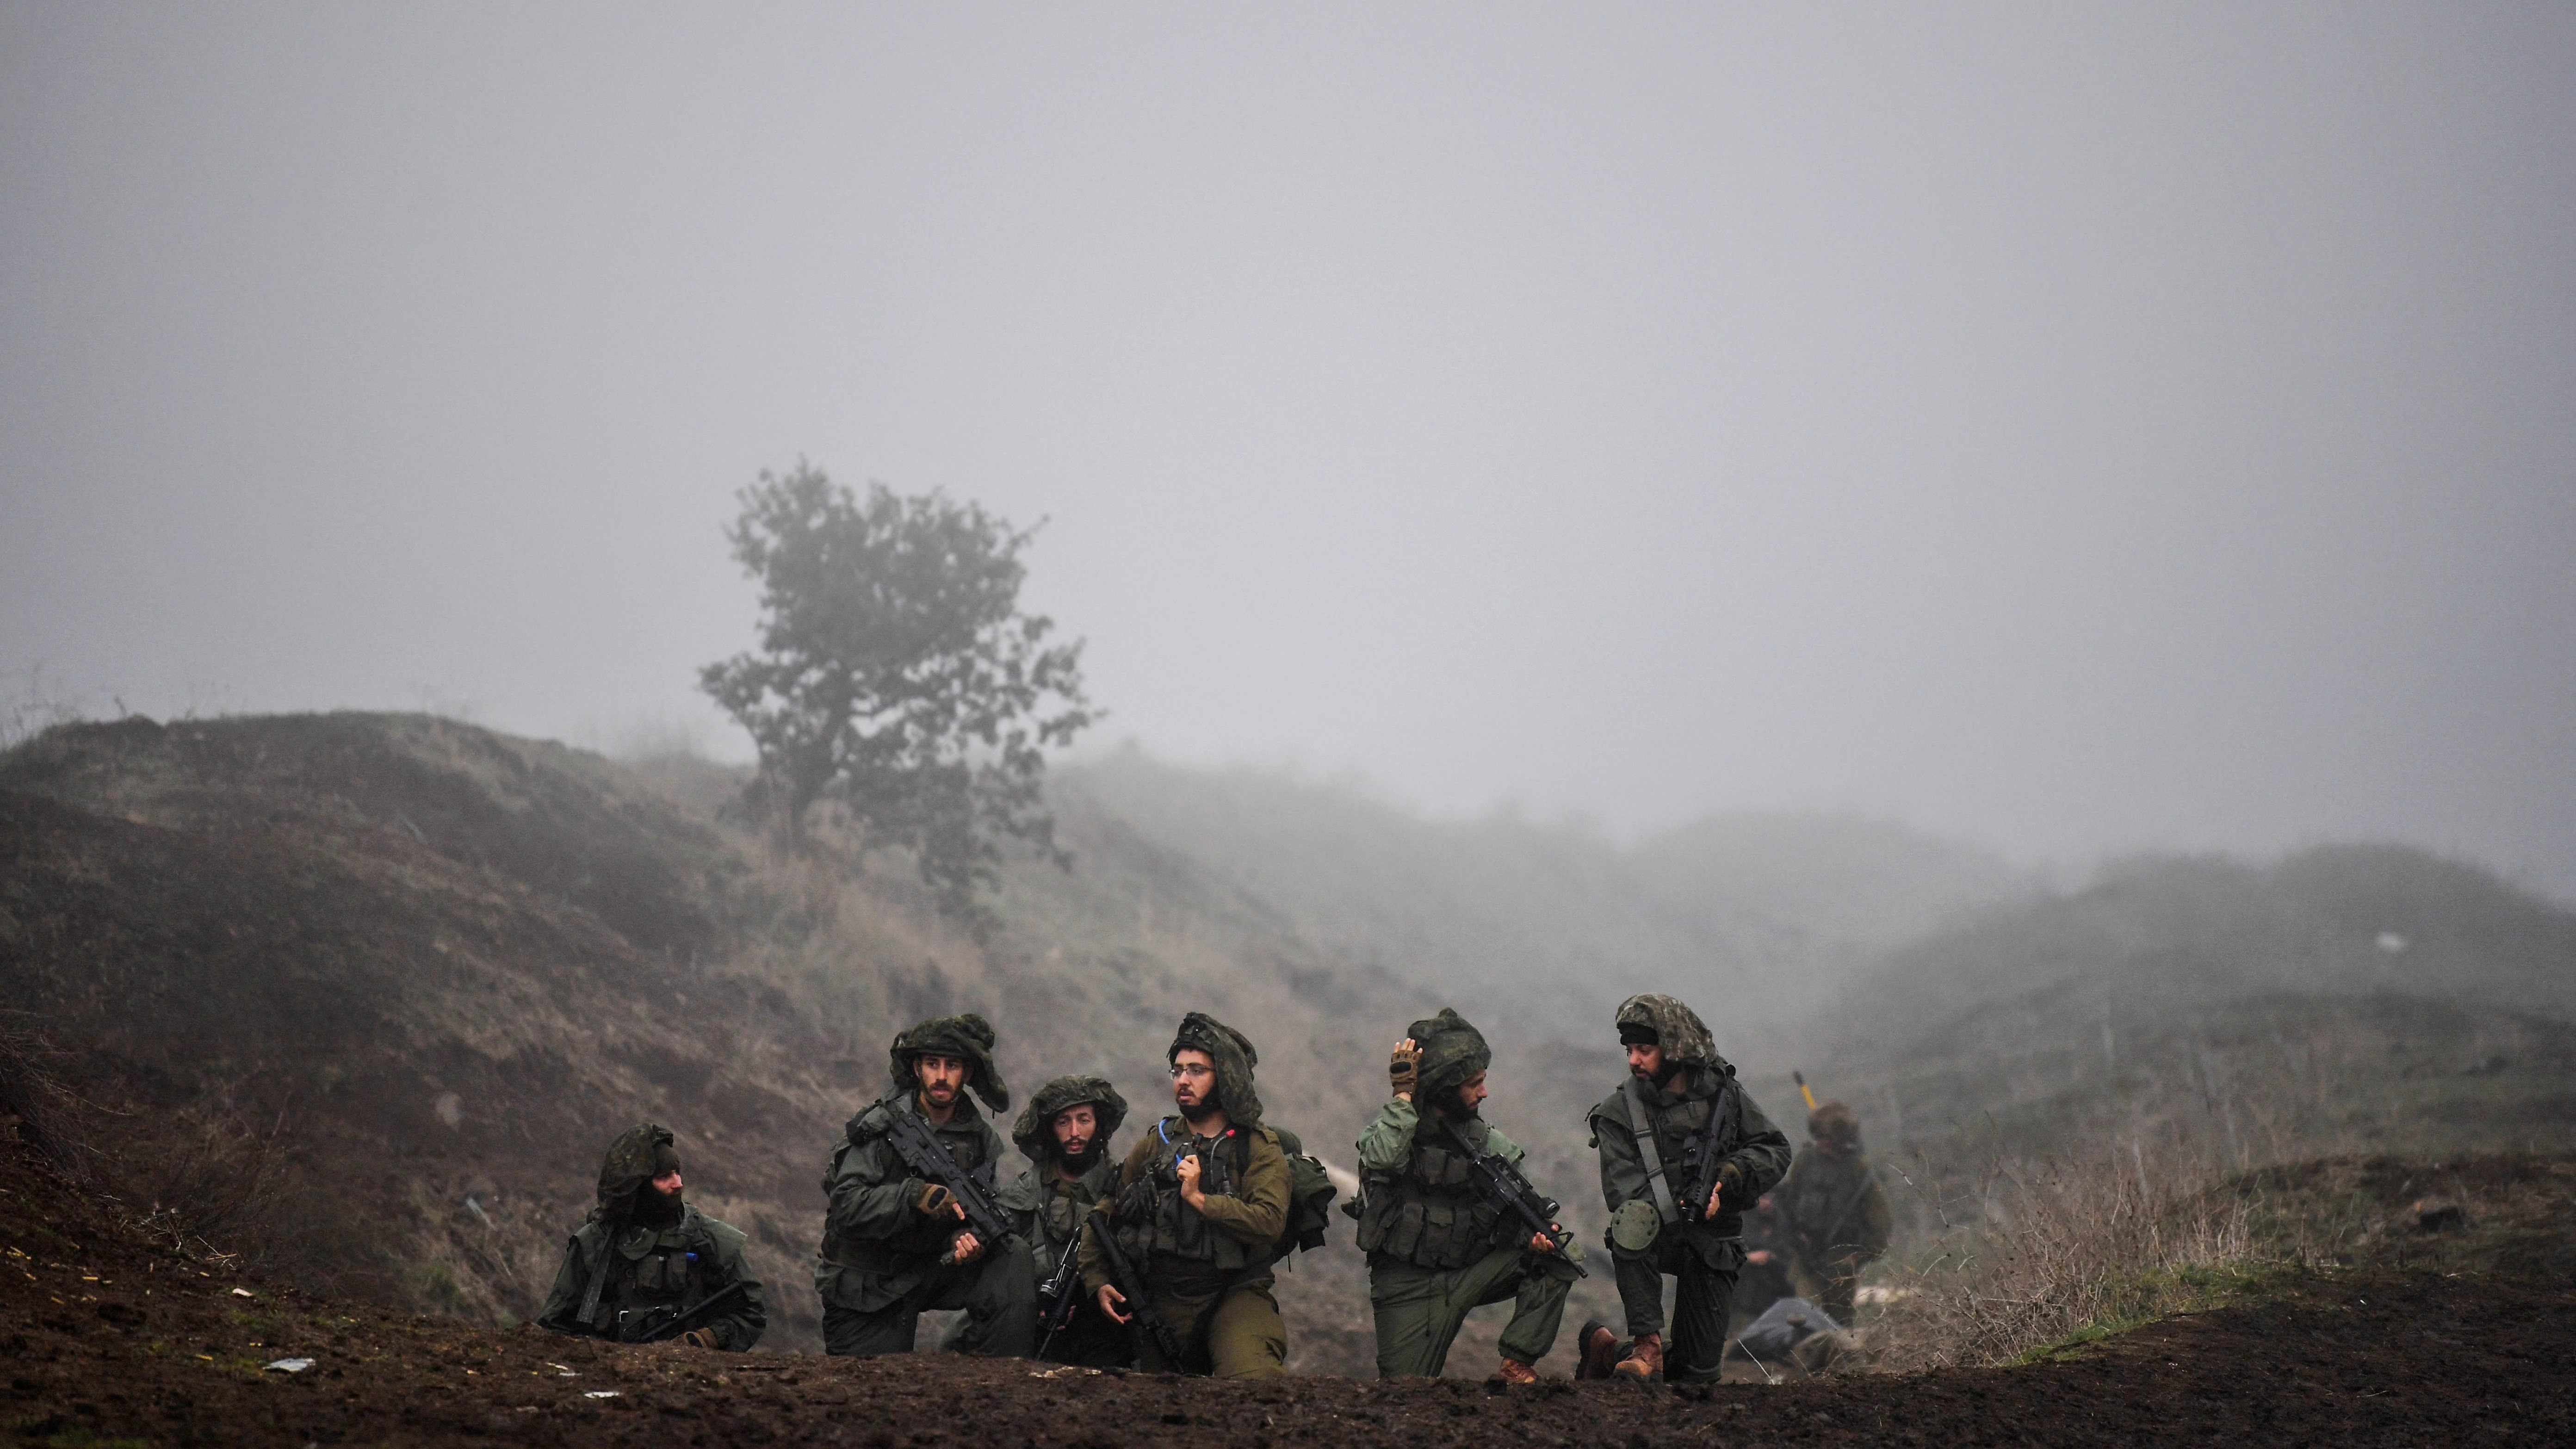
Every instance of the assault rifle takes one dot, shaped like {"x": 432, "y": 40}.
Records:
{"x": 1508, "y": 1190}
{"x": 1131, "y": 1286}
{"x": 1708, "y": 1148}
{"x": 923, "y": 1152}
{"x": 1061, "y": 1294}
{"x": 653, "y": 1325}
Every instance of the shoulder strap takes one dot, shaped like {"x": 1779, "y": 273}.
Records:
{"x": 1641, "y": 1126}
{"x": 598, "y": 1275}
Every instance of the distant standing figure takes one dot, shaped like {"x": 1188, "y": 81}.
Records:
{"x": 644, "y": 1255}
{"x": 1065, "y": 1131}
{"x": 1677, "y": 1084}
{"x": 895, "y": 1243}
{"x": 1437, "y": 1247}
{"x": 1837, "y": 1213}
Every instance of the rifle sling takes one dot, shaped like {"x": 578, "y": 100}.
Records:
{"x": 1641, "y": 1127}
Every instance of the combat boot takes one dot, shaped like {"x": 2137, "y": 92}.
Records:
{"x": 1645, "y": 1360}
{"x": 1513, "y": 1371}
{"x": 1596, "y": 1351}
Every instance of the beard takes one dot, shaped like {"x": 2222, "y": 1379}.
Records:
{"x": 657, "y": 1209}
{"x": 1198, "y": 1112}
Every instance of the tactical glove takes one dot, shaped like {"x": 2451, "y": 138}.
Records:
{"x": 930, "y": 1199}
{"x": 1404, "y": 1067}
{"x": 700, "y": 1338}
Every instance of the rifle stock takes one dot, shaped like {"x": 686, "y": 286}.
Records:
{"x": 653, "y": 1331}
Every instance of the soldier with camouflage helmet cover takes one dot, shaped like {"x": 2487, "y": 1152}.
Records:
{"x": 1065, "y": 1132}
{"x": 895, "y": 1243}
{"x": 1644, "y": 1132}
{"x": 1198, "y": 1207}
{"x": 1437, "y": 1246}
{"x": 643, "y": 1248}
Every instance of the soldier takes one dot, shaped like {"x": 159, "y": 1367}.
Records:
{"x": 1198, "y": 1208}
{"x": 1065, "y": 1131}
{"x": 1436, "y": 1246}
{"x": 1644, "y": 1131}
{"x": 1837, "y": 1213}
{"x": 894, "y": 1242}
{"x": 1768, "y": 1256}
{"x": 663, "y": 1257}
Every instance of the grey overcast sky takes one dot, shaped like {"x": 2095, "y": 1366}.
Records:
{"x": 2077, "y": 428}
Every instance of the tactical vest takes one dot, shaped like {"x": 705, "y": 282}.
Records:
{"x": 672, "y": 1272}
{"x": 1823, "y": 1212}
{"x": 1677, "y": 1124}
{"x": 1433, "y": 1213}
{"x": 1153, "y": 1219}
{"x": 920, "y": 1239}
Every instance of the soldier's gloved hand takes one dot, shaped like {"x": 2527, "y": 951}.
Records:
{"x": 700, "y": 1338}
{"x": 1404, "y": 1068}
{"x": 930, "y": 1199}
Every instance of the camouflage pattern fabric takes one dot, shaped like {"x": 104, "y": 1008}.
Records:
{"x": 966, "y": 1036}
{"x": 640, "y": 1154}
{"x": 1452, "y": 1051}
{"x": 1678, "y": 1029}
{"x": 1034, "y": 1132}
{"x": 1233, "y": 1057}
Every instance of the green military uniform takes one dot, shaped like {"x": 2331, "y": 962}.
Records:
{"x": 1437, "y": 1247}
{"x": 1836, "y": 1211}
{"x": 645, "y": 1253}
{"x": 1207, "y": 1272}
{"x": 883, "y": 1262}
{"x": 1651, "y": 1235}
{"x": 1049, "y": 1211}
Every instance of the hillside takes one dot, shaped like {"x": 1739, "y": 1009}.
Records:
{"x": 367, "y": 994}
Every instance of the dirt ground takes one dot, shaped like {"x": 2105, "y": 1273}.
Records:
{"x": 110, "y": 1337}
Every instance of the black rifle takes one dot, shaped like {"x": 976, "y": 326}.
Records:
{"x": 1505, "y": 1188}
{"x": 1061, "y": 1294}
{"x": 1708, "y": 1148}
{"x": 1131, "y": 1286}
{"x": 929, "y": 1158}
{"x": 652, "y": 1325}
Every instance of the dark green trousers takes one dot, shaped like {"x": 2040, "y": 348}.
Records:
{"x": 996, "y": 1290}
{"x": 1704, "y": 1269}
{"x": 1235, "y": 1333}
{"x": 1420, "y": 1310}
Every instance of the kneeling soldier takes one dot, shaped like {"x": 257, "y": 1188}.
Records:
{"x": 1683, "y": 1152}
{"x": 1438, "y": 1243}
{"x": 1197, "y": 1211}
{"x": 646, "y": 1265}
{"x": 1065, "y": 1131}
{"x": 897, "y": 1241}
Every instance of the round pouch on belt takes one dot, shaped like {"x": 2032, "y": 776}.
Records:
{"x": 1634, "y": 1227}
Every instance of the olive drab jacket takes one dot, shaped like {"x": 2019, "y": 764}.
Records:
{"x": 678, "y": 1266}
{"x": 1049, "y": 1211}
{"x": 1834, "y": 1209}
{"x": 1759, "y": 1156}
{"x": 876, "y": 1248}
{"x": 1244, "y": 1174}
{"x": 1420, "y": 1200}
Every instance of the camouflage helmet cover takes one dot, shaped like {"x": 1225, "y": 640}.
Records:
{"x": 640, "y": 1154}
{"x": 1678, "y": 1029}
{"x": 1452, "y": 1050}
{"x": 1232, "y": 1054}
{"x": 965, "y": 1036}
{"x": 1033, "y": 1132}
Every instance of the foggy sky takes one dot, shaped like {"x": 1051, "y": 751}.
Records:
{"x": 2077, "y": 429}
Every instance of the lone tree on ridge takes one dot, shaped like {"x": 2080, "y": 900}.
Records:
{"x": 896, "y": 678}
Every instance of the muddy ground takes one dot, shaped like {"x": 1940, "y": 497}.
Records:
{"x": 108, "y": 1336}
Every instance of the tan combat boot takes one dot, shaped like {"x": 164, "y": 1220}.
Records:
{"x": 1513, "y": 1371}
{"x": 1645, "y": 1360}
{"x": 1596, "y": 1351}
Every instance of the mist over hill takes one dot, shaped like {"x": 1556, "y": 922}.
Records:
{"x": 1546, "y": 927}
